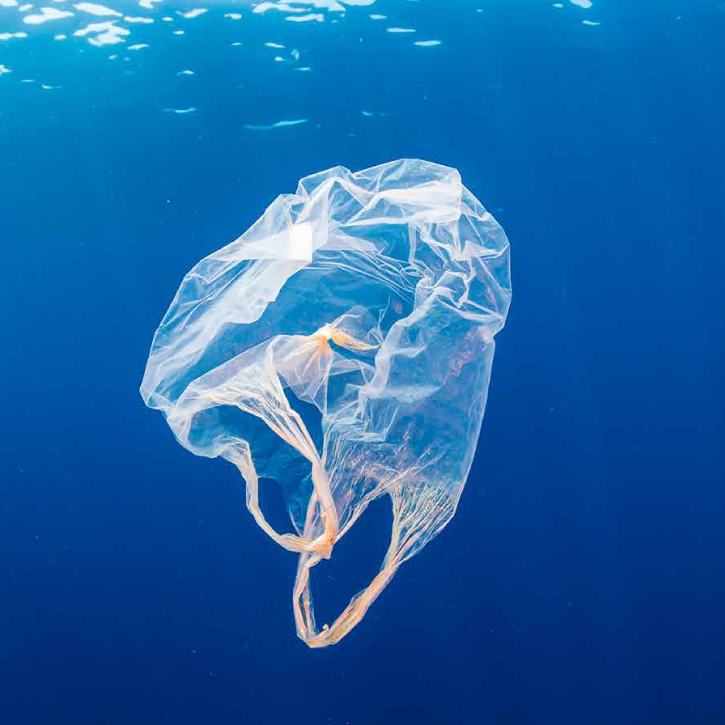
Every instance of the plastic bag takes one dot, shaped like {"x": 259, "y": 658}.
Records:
{"x": 342, "y": 346}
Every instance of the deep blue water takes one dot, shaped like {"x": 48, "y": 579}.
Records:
{"x": 583, "y": 577}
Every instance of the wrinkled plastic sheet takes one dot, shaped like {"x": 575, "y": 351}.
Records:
{"x": 342, "y": 346}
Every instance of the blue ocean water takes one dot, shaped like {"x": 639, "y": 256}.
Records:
{"x": 582, "y": 579}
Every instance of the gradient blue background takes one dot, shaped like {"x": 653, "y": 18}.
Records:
{"x": 583, "y": 577}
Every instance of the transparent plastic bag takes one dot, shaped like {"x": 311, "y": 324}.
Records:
{"x": 343, "y": 347}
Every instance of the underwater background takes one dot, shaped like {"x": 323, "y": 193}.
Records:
{"x": 582, "y": 579}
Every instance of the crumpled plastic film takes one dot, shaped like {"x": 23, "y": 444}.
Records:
{"x": 343, "y": 347}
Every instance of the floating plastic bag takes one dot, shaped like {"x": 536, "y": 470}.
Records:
{"x": 342, "y": 346}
